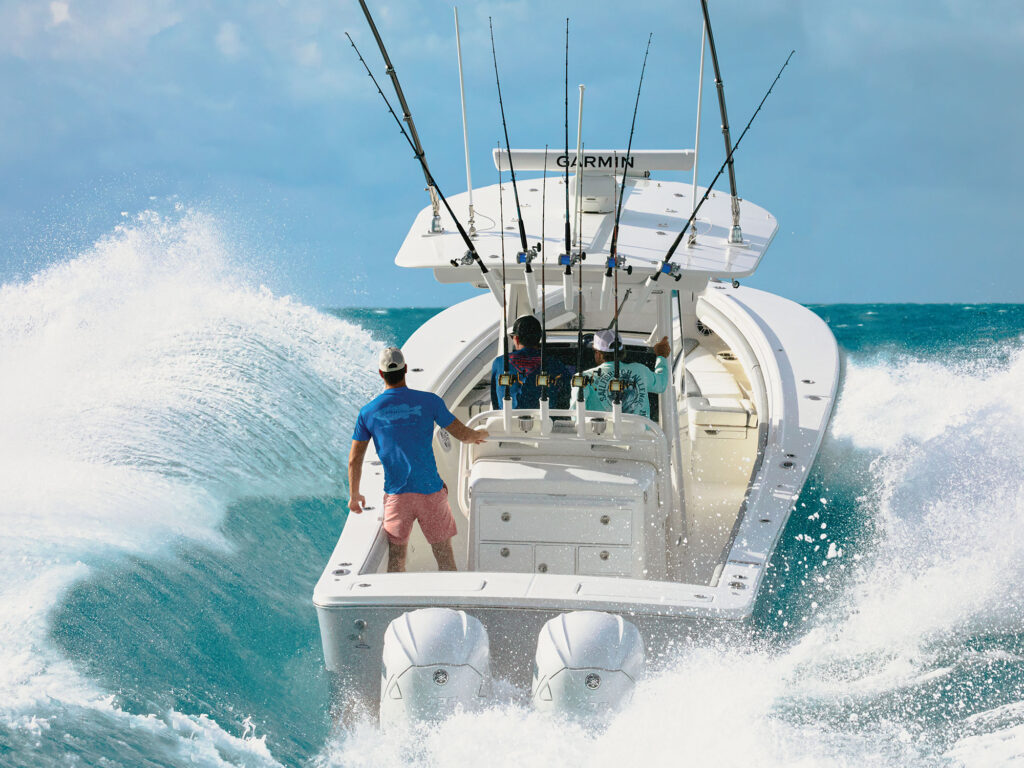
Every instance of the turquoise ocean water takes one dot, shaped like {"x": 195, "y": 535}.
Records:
{"x": 172, "y": 457}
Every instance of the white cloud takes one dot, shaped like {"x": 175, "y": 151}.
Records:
{"x": 96, "y": 30}
{"x": 229, "y": 42}
{"x": 59, "y": 13}
{"x": 308, "y": 54}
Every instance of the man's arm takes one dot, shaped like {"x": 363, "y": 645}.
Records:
{"x": 461, "y": 432}
{"x": 659, "y": 380}
{"x": 494, "y": 386}
{"x": 356, "y": 502}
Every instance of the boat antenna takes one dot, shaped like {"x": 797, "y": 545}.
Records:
{"x": 505, "y": 380}
{"x": 666, "y": 267}
{"x": 465, "y": 129}
{"x": 566, "y": 258}
{"x": 613, "y": 258}
{"x": 543, "y": 283}
{"x": 435, "y": 222}
{"x": 735, "y": 234}
{"x": 471, "y": 255}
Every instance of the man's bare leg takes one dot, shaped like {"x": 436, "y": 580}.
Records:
{"x": 444, "y": 555}
{"x": 396, "y": 557}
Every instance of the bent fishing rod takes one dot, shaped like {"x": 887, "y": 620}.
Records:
{"x": 435, "y": 225}
{"x": 471, "y": 254}
{"x": 613, "y": 258}
{"x": 508, "y": 149}
{"x": 526, "y": 254}
{"x": 666, "y": 267}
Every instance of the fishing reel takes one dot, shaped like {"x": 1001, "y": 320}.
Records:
{"x": 465, "y": 261}
{"x": 671, "y": 269}
{"x": 617, "y": 261}
{"x": 527, "y": 257}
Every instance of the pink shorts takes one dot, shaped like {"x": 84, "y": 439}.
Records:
{"x": 431, "y": 509}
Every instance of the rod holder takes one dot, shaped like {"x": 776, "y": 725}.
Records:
{"x": 532, "y": 295}
{"x": 545, "y": 420}
{"x": 606, "y": 291}
{"x": 491, "y": 278}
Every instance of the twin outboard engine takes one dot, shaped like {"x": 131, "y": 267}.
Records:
{"x": 587, "y": 664}
{"x": 436, "y": 660}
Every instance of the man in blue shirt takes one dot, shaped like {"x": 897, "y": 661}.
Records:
{"x": 638, "y": 379}
{"x": 401, "y": 423}
{"x": 524, "y": 365}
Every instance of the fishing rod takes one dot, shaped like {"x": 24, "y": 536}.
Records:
{"x": 566, "y": 258}
{"x": 613, "y": 257}
{"x": 526, "y": 255}
{"x": 504, "y": 125}
{"x": 542, "y": 375}
{"x": 579, "y": 381}
{"x": 506, "y": 379}
{"x": 735, "y": 234}
{"x": 435, "y": 223}
{"x": 666, "y": 267}
{"x": 471, "y": 255}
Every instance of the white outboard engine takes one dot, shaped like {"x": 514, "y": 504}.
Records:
{"x": 436, "y": 660}
{"x": 587, "y": 664}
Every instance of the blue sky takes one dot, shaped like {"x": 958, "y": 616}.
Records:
{"x": 890, "y": 151}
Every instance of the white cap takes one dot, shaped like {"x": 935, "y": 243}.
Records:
{"x": 604, "y": 341}
{"x": 391, "y": 359}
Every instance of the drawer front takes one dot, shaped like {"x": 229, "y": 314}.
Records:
{"x": 605, "y": 561}
{"x": 571, "y": 524}
{"x": 554, "y": 558}
{"x": 512, "y": 558}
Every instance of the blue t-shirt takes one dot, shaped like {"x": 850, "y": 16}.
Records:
{"x": 524, "y": 365}
{"x": 401, "y": 423}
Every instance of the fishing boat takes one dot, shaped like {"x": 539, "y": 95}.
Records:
{"x": 590, "y": 542}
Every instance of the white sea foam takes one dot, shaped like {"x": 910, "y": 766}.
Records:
{"x": 145, "y": 385}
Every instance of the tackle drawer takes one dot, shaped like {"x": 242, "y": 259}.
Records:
{"x": 604, "y": 561}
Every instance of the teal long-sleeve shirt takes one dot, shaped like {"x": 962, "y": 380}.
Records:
{"x": 639, "y": 379}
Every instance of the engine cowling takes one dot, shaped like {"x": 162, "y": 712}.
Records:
{"x": 587, "y": 664}
{"x": 435, "y": 661}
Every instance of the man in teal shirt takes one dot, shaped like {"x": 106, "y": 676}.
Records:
{"x": 637, "y": 378}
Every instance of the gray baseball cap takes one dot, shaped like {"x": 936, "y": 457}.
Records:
{"x": 391, "y": 359}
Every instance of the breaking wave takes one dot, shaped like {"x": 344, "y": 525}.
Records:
{"x": 146, "y": 386}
